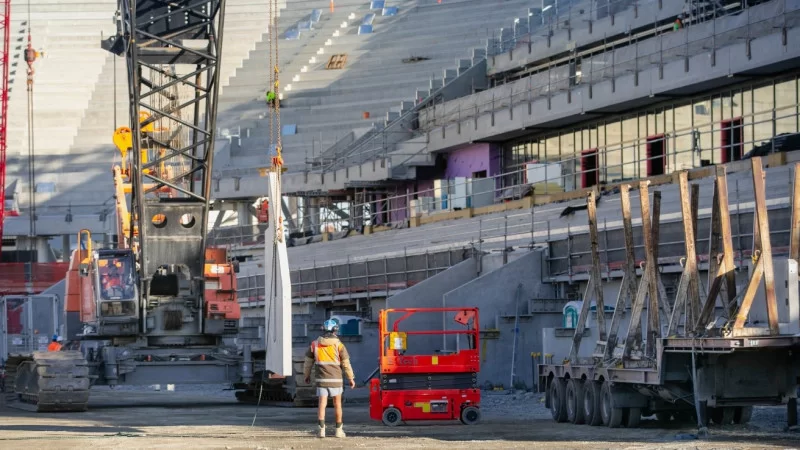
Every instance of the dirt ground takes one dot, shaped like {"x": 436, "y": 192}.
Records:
{"x": 163, "y": 420}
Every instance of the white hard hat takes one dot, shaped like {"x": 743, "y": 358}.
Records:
{"x": 60, "y": 339}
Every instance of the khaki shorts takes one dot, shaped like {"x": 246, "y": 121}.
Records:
{"x": 329, "y": 392}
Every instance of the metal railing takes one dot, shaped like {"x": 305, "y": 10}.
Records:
{"x": 563, "y": 17}
{"x": 553, "y": 177}
{"x": 628, "y": 59}
{"x": 343, "y": 281}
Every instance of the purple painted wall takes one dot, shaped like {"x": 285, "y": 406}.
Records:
{"x": 473, "y": 158}
{"x": 425, "y": 188}
{"x": 398, "y": 207}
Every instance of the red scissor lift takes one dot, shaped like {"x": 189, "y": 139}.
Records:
{"x": 441, "y": 386}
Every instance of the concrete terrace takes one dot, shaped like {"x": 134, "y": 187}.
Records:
{"x": 327, "y": 105}
{"x": 547, "y": 223}
{"x": 81, "y": 97}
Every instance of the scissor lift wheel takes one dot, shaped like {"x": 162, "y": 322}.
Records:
{"x": 392, "y": 417}
{"x": 470, "y": 415}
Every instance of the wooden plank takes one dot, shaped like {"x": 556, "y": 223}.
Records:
{"x": 656, "y": 226}
{"x": 794, "y": 252}
{"x": 627, "y": 289}
{"x": 336, "y": 61}
{"x": 749, "y": 294}
{"x": 595, "y": 245}
{"x": 715, "y": 265}
{"x": 729, "y": 287}
{"x": 653, "y": 320}
{"x": 688, "y": 287}
{"x": 693, "y": 299}
{"x": 633, "y": 341}
{"x": 591, "y": 287}
{"x": 581, "y": 325}
{"x": 759, "y": 189}
{"x": 678, "y": 308}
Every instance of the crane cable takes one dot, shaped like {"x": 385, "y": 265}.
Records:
{"x": 270, "y": 300}
{"x": 30, "y": 57}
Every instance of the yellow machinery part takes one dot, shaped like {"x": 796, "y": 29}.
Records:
{"x": 123, "y": 139}
{"x": 398, "y": 340}
{"x": 149, "y": 128}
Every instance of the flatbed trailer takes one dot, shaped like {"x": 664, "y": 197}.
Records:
{"x": 686, "y": 366}
{"x": 730, "y": 375}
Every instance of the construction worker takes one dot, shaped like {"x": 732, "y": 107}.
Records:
{"x": 678, "y": 24}
{"x": 331, "y": 359}
{"x": 55, "y": 344}
{"x": 271, "y": 98}
{"x": 111, "y": 278}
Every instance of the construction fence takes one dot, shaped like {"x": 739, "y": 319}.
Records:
{"x": 28, "y": 323}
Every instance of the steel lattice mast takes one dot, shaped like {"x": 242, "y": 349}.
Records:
{"x": 173, "y": 58}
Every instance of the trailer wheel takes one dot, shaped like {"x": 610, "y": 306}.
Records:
{"x": 612, "y": 416}
{"x": 558, "y": 404}
{"x": 633, "y": 417}
{"x": 742, "y": 415}
{"x": 722, "y": 415}
{"x": 591, "y": 403}
{"x": 470, "y": 415}
{"x": 392, "y": 417}
{"x": 574, "y": 401}
{"x": 664, "y": 417}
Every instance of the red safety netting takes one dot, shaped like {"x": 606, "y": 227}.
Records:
{"x": 15, "y": 278}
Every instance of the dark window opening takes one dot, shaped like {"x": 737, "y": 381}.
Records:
{"x": 732, "y": 140}
{"x": 479, "y": 174}
{"x": 656, "y": 161}
{"x": 590, "y": 175}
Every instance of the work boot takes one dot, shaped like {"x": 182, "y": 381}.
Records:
{"x": 321, "y": 432}
{"x": 340, "y": 432}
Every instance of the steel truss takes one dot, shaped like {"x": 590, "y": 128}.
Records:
{"x": 173, "y": 58}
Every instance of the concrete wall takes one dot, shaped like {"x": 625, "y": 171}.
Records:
{"x": 429, "y": 293}
{"x": 494, "y": 293}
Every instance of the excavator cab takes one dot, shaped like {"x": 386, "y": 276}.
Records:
{"x": 113, "y": 287}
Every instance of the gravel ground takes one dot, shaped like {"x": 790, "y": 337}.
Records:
{"x": 201, "y": 417}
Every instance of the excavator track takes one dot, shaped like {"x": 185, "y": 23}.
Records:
{"x": 48, "y": 381}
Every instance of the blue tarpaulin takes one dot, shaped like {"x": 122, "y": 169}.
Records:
{"x": 288, "y": 130}
{"x": 368, "y": 19}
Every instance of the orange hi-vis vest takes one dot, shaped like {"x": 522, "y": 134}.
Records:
{"x": 54, "y": 347}
{"x": 330, "y": 360}
{"x": 327, "y": 355}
